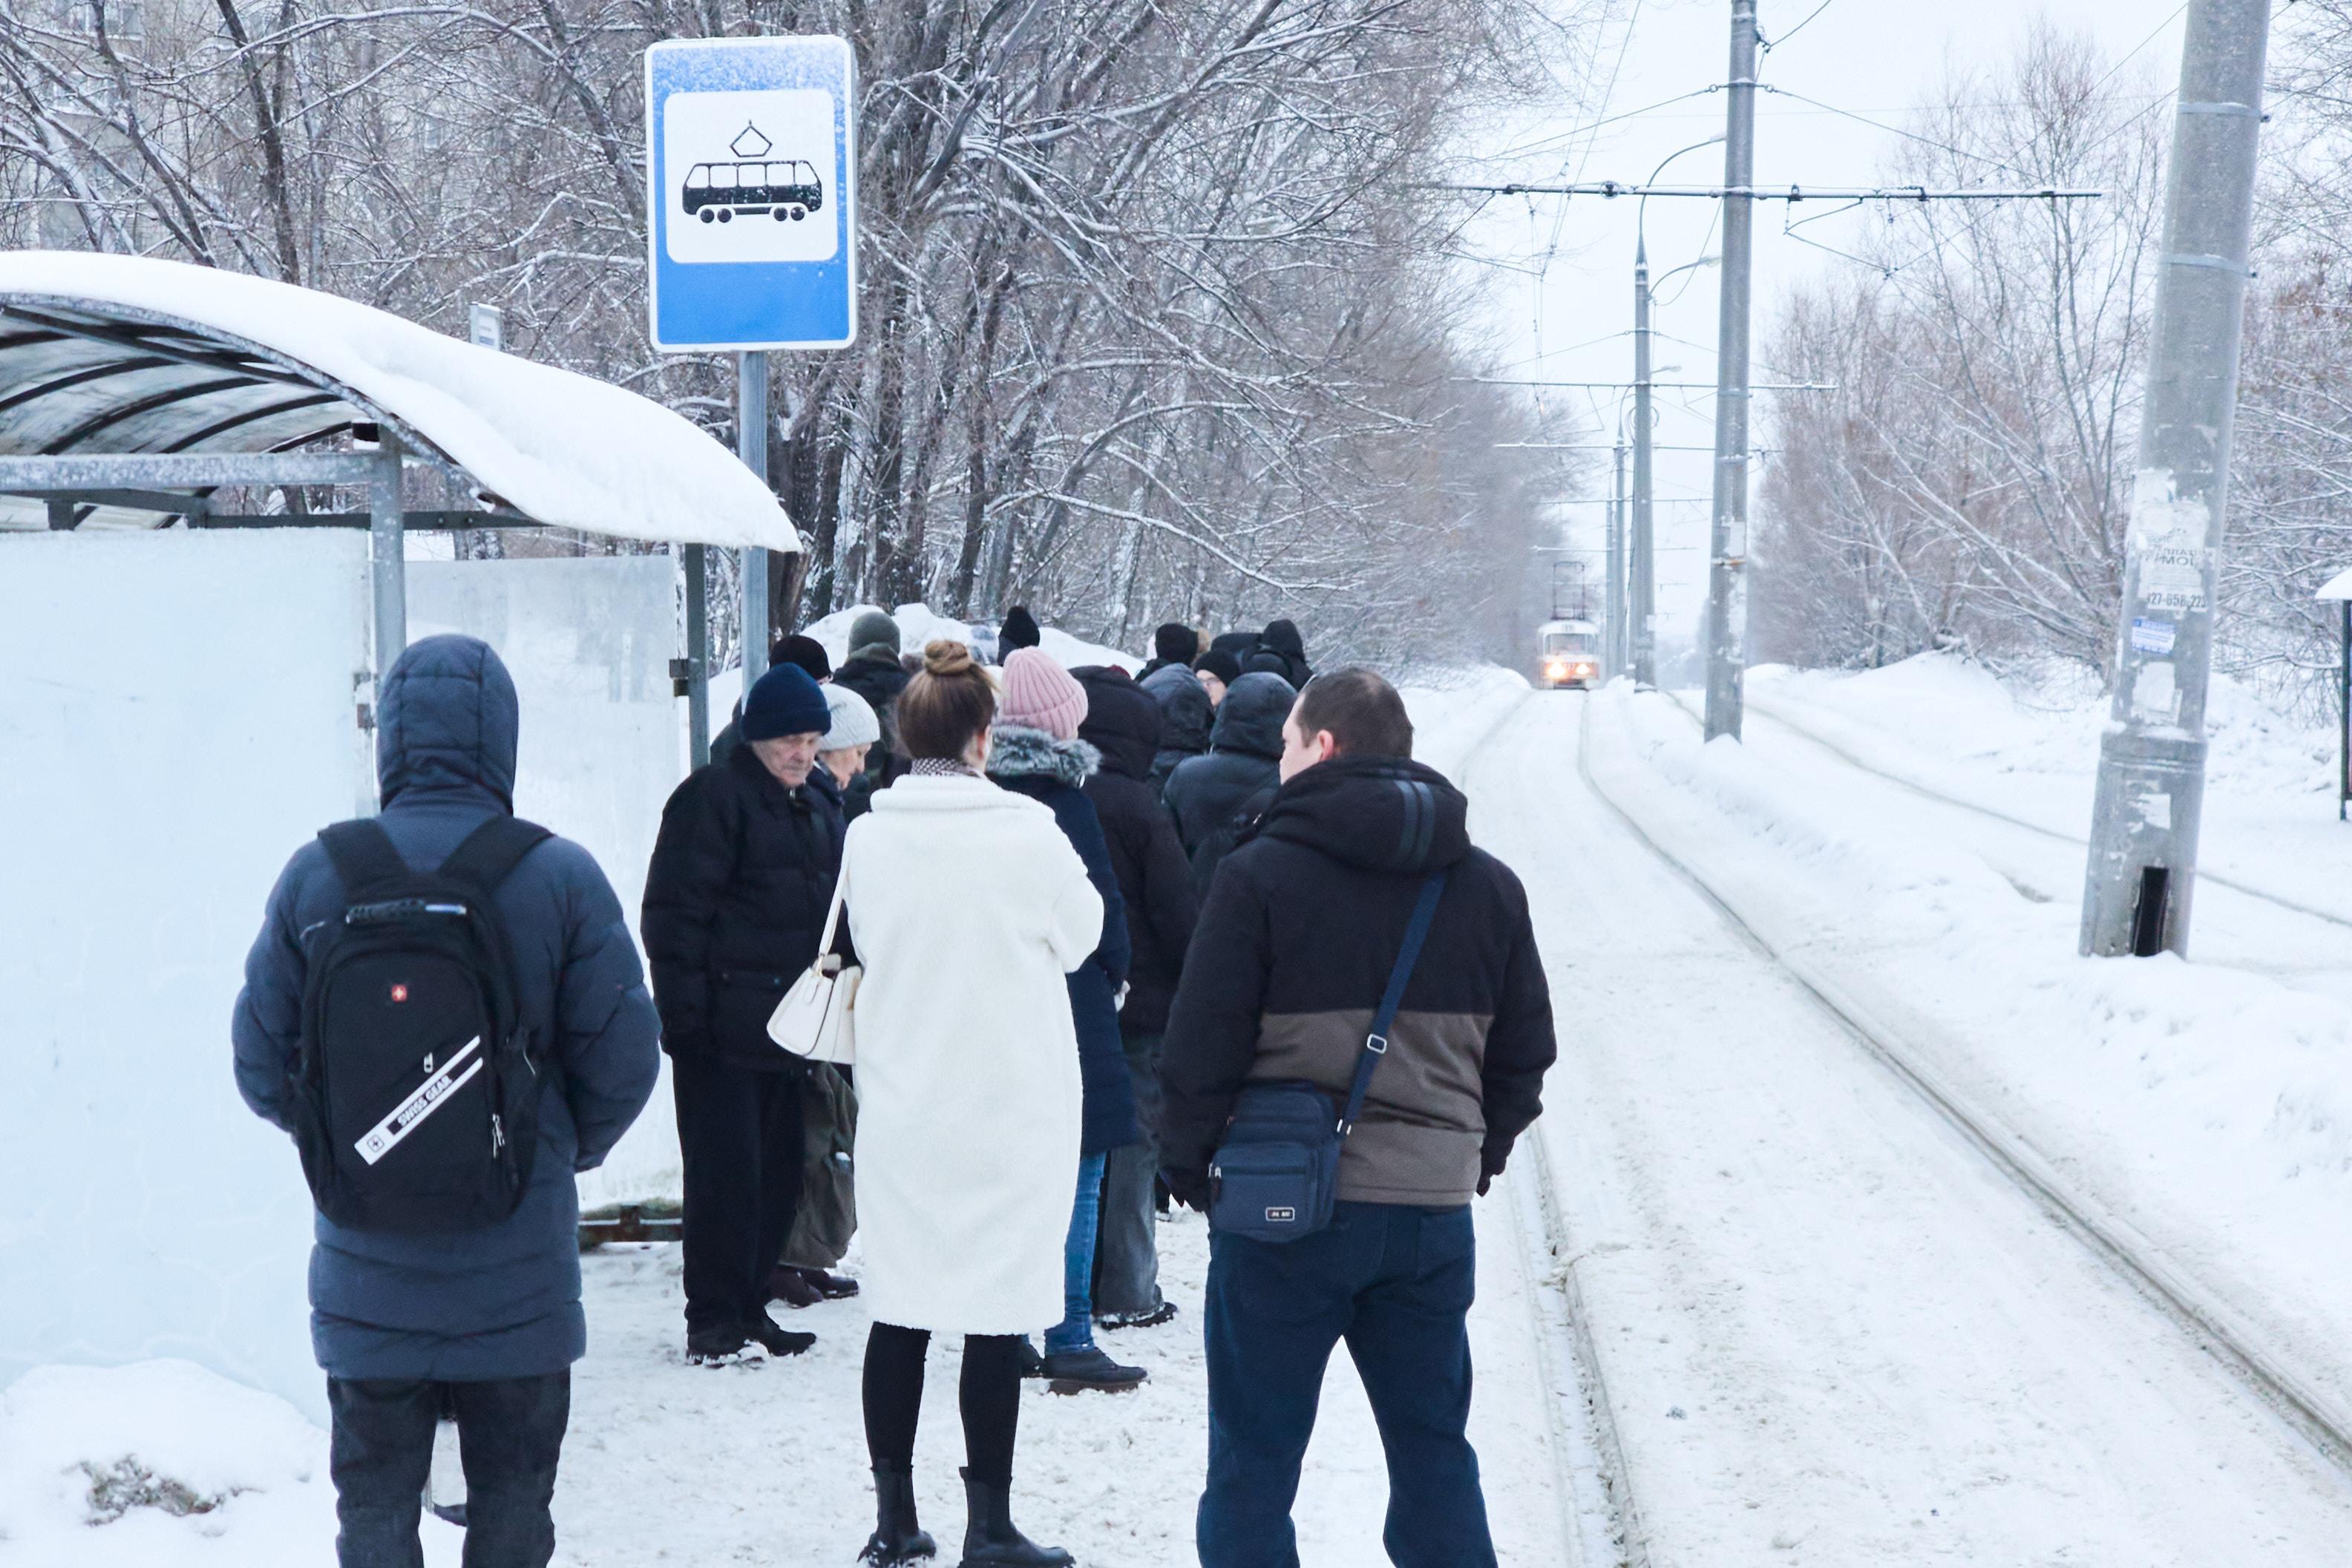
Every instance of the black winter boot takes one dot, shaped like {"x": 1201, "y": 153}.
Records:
{"x": 989, "y": 1538}
{"x": 897, "y": 1539}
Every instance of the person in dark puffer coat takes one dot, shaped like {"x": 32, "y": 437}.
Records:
{"x": 1172, "y": 643}
{"x": 1155, "y": 882}
{"x": 488, "y": 1320}
{"x": 1035, "y": 751}
{"x": 736, "y": 897}
{"x": 1213, "y": 798}
{"x": 873, "y": 671}
{"x": 1185, "y": 716}
{"x": 1237, "y": 645}
{"x": 1281, "y": 651}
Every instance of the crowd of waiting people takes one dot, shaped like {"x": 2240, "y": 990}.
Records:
{"x": 1089, "y": 910}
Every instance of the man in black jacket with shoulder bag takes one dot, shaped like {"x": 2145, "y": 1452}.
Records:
{"x": 1307, "y": 923}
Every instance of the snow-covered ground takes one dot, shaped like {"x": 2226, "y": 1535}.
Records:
{"x": 766, "y": 1462}
{"x": 1827, "y": 1329}
{"x": 2206, "y": 1105}
{"x": 1830, "y": 1332}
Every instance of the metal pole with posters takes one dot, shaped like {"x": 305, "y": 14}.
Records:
{"x": 2144, "y": 818}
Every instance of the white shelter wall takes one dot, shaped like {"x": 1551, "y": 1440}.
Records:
{"x": 178, "y": 715}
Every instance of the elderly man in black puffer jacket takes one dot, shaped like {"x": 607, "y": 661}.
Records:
{"x": 488, "y": 1321}
{"x": 736, "y": 897}
{"x": 1123, "y": 723}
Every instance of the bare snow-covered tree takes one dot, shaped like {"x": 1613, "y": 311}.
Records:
{"x": 1156, "y": 318}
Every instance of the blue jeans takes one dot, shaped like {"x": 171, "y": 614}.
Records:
{"x": 1396, "y": 1284}
{"x": 1077, "y": 1329}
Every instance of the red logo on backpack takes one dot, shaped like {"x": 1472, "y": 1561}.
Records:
{"x": 399, "y": 993}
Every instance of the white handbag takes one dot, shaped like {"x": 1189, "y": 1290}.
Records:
{"x": 817, "y": 1020}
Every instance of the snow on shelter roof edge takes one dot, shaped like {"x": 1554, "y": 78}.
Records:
{"x": 563, "y": 448}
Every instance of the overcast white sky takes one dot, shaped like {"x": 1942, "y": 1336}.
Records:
{"x": 1568, "y": 316}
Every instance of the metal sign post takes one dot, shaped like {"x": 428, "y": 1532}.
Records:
{"x": 751, "y": 231}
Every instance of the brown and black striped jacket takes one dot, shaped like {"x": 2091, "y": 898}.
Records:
{"x": 1294, "y": 944}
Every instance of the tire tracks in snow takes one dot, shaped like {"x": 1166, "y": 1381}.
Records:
{"x": 2207, "y": 1321}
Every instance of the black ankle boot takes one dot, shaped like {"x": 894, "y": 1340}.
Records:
{"x": 897, "y": 1539}
{"x": 989, "y": 1538}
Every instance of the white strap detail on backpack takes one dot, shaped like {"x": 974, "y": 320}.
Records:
{"x": 817, "y": 1020}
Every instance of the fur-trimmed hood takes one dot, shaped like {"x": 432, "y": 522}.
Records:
{"x": 1017, "y": 752}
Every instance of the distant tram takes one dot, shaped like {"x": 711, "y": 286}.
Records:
{"x": 784, "y": 187}
{"x": 1568, "y": 654}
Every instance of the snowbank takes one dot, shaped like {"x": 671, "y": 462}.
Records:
{"x": 2028, "y": 746}
{"x": 564, "y": 448}
{"x": 162, "y": 1464}
{"x": 1453, "y": 710}
{"x": 919, "y": 624}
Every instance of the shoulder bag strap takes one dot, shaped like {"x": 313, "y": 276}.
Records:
{"x": 363, "y": 856}
{"x": 1376, "y": 1044}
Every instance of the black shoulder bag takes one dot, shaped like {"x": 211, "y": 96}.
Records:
{"x": 1277, "y": 1176}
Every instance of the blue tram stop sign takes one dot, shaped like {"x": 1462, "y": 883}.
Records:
{"x": 751, "y": 201}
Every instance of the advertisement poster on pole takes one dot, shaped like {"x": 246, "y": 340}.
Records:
{"x": 751, "y": 187}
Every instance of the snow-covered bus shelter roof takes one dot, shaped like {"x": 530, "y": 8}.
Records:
{"x": 210, "y": 379}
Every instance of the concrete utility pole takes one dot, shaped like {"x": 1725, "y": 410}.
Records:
{"x": 1726, "y": 596}
{"x": 751, "y": 446}
{"x": 1613, "y": 656}
{"x": 1645, "y": 572}
{"x": 2151, "y": 791}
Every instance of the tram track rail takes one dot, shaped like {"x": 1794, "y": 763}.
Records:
{"x": 2211, "y": 1323}
{"x": 1600, "y": 1522}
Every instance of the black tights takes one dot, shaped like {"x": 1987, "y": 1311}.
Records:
{"x": 989, "y": 1394}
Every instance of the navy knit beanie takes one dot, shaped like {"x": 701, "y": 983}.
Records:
{"x": 785, "y": 701}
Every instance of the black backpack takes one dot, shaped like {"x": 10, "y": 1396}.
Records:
{"x": 417, "y": 1097}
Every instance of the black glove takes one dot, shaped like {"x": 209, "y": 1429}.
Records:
{"x": 1190, "y": 1189}
{"x": 1490, "y": 1166}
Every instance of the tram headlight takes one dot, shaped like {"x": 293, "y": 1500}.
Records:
{"x": 1556, "y": 670}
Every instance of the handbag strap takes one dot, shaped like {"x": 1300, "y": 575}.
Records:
{"x": 832, "y": 923}
{"x": 1376, "y": 1044}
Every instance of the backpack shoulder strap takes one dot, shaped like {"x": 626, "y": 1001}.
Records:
{"x": 363, "y": 856}
{"x": 490, "y": 852}
{"x": 1376, "y": 1044}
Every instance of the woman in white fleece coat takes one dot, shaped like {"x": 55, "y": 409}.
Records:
{"x": 967, "y": 906}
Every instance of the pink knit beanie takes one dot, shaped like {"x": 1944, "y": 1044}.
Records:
{"x": 1040, "y": 694}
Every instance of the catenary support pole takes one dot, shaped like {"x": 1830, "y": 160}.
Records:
{"x": 1726, "y": 596}
{"x": 697, "y": 654}
{"x": 1612, "y": 659}
{"x": 1645, "y": 609}
{"x": 751, "y": 446}
{"x": 2151, "y": 788}
{"x": 387, "y": 557}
